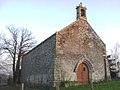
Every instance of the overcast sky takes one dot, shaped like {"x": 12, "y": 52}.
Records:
{"x": 45, "y": 17}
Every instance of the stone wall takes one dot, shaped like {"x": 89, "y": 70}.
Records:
{"x": 76, "y": 43}
{"x": 57, "y": 58}
{"x": 37, "y": 65}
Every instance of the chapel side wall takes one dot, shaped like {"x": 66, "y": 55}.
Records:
{"x": 37, "y": 65}
{"x": 76, "y": 43}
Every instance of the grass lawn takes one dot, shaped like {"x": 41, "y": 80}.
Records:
{"x": 110, "y": 85}
{"x": 12, "y": 87}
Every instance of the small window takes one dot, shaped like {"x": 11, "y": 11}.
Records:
{"x": 84, "y": 69}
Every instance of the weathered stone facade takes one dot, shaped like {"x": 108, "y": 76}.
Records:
{"x": 58, "y": 58}
{"x": 75, "y": 44}
{"x": 38, "y": 64}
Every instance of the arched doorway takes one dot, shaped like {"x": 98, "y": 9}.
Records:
{"x": 82, "y": 74}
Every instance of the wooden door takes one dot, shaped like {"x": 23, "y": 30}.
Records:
{"x": 82, "y": 74}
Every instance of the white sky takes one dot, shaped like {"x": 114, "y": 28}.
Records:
{"x": 45, "y": 17}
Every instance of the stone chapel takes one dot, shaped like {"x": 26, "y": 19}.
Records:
{"x": 75, "y": 54}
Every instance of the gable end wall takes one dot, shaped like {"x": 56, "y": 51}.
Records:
{"x": 76, "y": 43}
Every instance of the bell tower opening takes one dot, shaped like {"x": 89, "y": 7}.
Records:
{"x": 81, "y": 12}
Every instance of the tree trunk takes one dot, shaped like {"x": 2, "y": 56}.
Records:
{"x": 18, "y": 71}
{"x": 18, "y": 67}
{"x": 14, "y": 74}
{"x": 14, "y": 59}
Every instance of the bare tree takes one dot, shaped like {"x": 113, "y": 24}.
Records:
{"x": 114, "y": 60}
{"x": 17, "y": 45}
{"x": 115, "y": 52}
{"x": 0, "y": 44}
